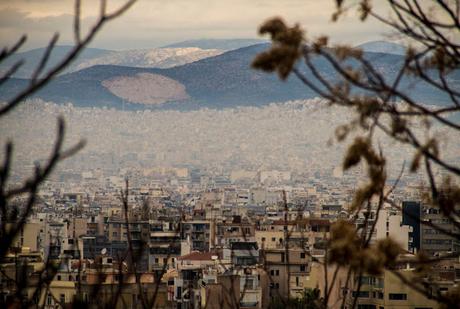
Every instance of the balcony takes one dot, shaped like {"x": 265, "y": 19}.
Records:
{"x": 135, "y": 228}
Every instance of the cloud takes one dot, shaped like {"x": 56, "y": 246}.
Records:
{"x": 153, "y": 23}
{"x": 39, "y": 30}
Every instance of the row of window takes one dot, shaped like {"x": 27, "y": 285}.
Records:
{"x": 50, "y": 300}
{"x": 276, "y": 272}
{"x": 71, "y": 278}
{"x": 431, "y": 231}
{"x": 379, "y": 295}
{"x": 438, "y": 241}
{"x": 377, "y": 282}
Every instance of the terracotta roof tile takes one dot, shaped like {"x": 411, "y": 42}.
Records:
{"x": 198, "y": 256}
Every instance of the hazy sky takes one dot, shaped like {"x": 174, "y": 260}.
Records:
{"x": 152, "y": 23}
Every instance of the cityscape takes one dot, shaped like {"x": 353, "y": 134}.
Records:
{"x": 186, "y": 174}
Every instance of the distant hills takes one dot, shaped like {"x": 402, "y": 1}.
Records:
{"x": 163, "y": 57}
{"x": 150, "y": 58}
{"x": 224, "y": 80}
{"x": 32, "y": 58}
{"x": 383, "y": 47}
{"x": 153, "y": 58}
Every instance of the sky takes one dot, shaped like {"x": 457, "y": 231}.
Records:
{"x": 153, "y": 23}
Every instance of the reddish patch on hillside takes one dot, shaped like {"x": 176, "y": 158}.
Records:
{"x": 146, "y": 88}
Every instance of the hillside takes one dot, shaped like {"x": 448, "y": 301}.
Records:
{"x": 383, "y": 47}
{"x": 152, "y": 58}
{"x": 32, "y": 58}
{"x": 221, "y": 81}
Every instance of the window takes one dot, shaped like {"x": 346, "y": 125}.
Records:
{"x": 361, "y": 294}
{"x": 59, "y": 277}
{"x": 263, "y": 238}
{"x": 62, "y": 298}
{"x": 273, "y": 239}
{"x": 249, "y": 283}
{"x": 302, "y": 255}
{"x": 397, "y": 296}
{"x": 302, "y": 267}
{"x": 297, "y": 281}
{"x": 366, "y": 306}
{"x": 365, "y": 280}
{"x": 274, "y": 272}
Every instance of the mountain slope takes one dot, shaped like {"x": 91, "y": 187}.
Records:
{"x": 32, "y": 58}
{"x": 221, "y": 81}
{"x": 154, "y": 58}
{"x": 383, "y": 47}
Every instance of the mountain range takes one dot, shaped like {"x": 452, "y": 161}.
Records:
{"x": 154, "y": 57}
{"x": 217, "y": 81}
{"x": 162, "y": 57}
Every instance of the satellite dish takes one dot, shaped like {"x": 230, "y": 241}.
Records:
{"x": 104, "y": 251}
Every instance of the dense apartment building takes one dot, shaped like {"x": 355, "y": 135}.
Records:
{"x": 222, "y": 247}
{"x": 433, "y": 240}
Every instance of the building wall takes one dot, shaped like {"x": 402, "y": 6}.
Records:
{"x": 29, "y": 237}
{"x": 286, "y": 276}
{"x": 389, "y": 224}
{"x": 432, "y": 241}
{"x": 389, "y": 291}
{"x": 411, "y": 216}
